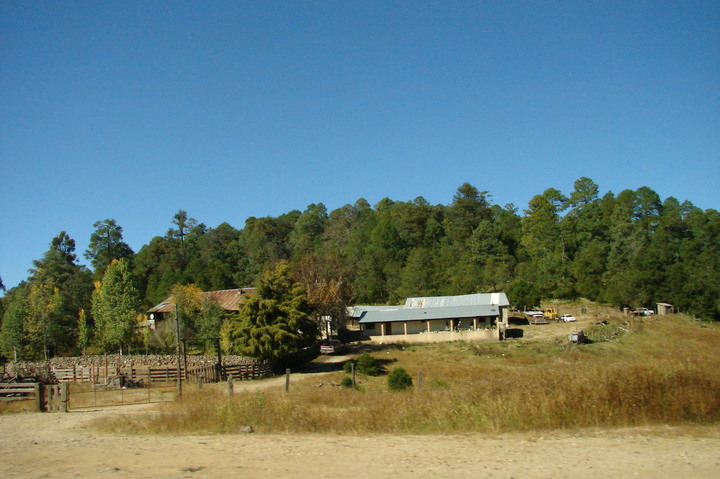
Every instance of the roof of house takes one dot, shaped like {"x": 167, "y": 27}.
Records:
{"x": 427, "y": 314}
{"x": 357, "y": 311}
{"x": 445, "y": 303}
{"x": 478, "y": 299}
{"x": 228, "y": 299}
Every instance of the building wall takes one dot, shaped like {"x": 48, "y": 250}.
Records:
{"x": 438, "y": 337}
{"x": 420, "y": 327}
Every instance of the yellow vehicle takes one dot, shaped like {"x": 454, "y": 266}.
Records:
{"x": 550, "y": 314}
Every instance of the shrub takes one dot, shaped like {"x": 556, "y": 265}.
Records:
{"x": 399, "y": 379}
{"x": 346, "y": 382}
{"x": 368, "y": 365}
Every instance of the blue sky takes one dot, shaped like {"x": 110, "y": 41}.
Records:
{"x": 133, "y": 110}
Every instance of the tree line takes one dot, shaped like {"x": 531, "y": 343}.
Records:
{"x": 627, "y": 249}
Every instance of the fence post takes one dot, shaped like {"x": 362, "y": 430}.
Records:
{"x": 287, "y": 380}
{"x": 218, "y": 373}
{"x": 230, "y": 385}
{"x": 56, "y": 397}
{"x": 38, "y": 397}
{"x": 352, "y": 368}
{"x": 200, "y": 380}
{"x": 420, "y": 379}
{"x": 64, "y": 397}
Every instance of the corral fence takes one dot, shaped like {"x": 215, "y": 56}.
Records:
{"x": 84, "y": 396}
{"x": 45, "y": 397}
{"x": 82, "y": 387}
{"x": 151, "y": 374}
{"x": 130, "y": 387}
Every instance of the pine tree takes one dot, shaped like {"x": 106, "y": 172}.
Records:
{"x": 106, "y": 244}
{"x": 275, "y": 322}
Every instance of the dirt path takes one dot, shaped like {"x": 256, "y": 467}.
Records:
{"x": 320, "y": 367}
{"x": 63, "y": 446}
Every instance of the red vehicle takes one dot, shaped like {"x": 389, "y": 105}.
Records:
{"x": 331, "y": 347}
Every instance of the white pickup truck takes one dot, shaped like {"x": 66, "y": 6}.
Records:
{"x": 643, "y": 312}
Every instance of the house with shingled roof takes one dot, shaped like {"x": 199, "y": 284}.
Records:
{"x": 228, "y": 299}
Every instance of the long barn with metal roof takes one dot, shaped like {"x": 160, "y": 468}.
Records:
{"x": 481, "y": 316}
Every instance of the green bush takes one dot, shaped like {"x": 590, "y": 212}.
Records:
{"x": 347, "y": 367}
{"x": 399, "y": 379}
{"x": 368, "y": 365}
{"x": 346, "y": 382}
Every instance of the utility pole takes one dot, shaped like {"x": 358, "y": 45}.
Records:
{"x": 178, "y": 352}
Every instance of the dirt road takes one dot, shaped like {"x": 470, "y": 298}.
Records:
{"x": 62, "y": 446}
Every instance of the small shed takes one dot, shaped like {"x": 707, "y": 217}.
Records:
{"x": 665, "y": 308}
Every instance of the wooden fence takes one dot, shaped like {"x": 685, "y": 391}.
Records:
{"x": 247, "y": 371}
{"x": 211, "y": 373}
{"x": 47, "y": 397}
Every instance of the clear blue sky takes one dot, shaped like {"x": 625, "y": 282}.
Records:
{"x": 133, "y": 110}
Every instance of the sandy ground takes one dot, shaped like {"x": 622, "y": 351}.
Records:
{"x": 55, "y": 445}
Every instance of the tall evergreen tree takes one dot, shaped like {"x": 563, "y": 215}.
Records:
{"x": 468, "y": 208}
{"x": 13, "y": 337}
{"x": 59, "y": 289}
{"x": 275, "y": 322}
{"x": 544, "y": 257}
{"x": 106, "y": 244}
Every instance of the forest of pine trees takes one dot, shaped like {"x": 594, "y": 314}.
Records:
{"x": 626, "y": 249}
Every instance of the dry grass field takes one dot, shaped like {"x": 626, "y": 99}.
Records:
{"x": 643, "y": 404}
{"x": 654, "y": 371}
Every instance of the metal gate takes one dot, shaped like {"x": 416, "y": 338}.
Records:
{"x": 85, "y": 396}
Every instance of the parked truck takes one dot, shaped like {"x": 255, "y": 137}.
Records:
{"x": 536, "y": 317}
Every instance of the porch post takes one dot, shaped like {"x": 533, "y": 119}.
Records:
{"x": 452, "y": 325}
{"x": 382, "y": 329}
{"x": 475, "y": 324}
{"x": 428, "y": 323}
{"x": 405, "y": 327}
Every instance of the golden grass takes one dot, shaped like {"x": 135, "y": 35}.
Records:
{"x": 665, "y": 372}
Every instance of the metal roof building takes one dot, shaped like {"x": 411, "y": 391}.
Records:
{"x": 427, "y": 314}
{"x": 437, "y": 314}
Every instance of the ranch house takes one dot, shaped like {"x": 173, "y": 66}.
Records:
{"x": 228, "y": 299}
{"x": 470, "y": 317}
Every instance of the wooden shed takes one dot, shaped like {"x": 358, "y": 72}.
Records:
{"x": 665, "y": 308}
